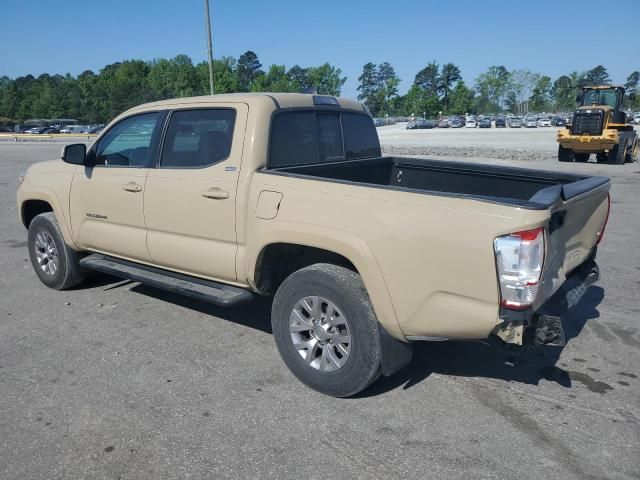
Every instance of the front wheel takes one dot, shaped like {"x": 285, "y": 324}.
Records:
{"x": 617, "y": 154}
{"x": 326, "y": 331}
{"x": 56, "y": 265}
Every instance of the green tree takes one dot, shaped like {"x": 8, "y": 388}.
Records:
{"x": 461, "y": 100}
{"x": 449, "y": 75}
{"x": 275, "y": 80}
{"x": 299, "y": 77}
{"x": 597, "y": 76}
{"x": 631, "y": 87}
{"x": 492, "y": 87}
{"x": 427, "y": 78}
{"x": 541, "y": 95}
{"x": 368, "y": 87}
{"x": 249, "y": 69}
{"x": 326, "y": 78}
{"x": 563, "y": 93}
{"x": 388, "y": 83}
{"x": 519, "y": 89}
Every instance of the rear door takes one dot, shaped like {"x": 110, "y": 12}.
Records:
{"x": 190, "y": 198}
{"x": 106, "y": 201}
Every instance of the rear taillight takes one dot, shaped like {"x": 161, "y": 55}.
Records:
{"x": 606, "y": 220}
{"x": 519, "y": 259}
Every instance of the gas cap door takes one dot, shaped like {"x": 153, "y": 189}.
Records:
{"x": 268, "y": 204}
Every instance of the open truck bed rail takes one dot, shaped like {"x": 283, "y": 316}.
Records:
{"x": 532, "y": 189}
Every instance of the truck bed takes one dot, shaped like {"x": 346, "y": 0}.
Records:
{"x": 526, "y": 188}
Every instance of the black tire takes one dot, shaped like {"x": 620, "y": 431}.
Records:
{"x": 617, "y": 154}
{"x": 601, "y": 158}
{"x": 68, "y": 272}
{"x": 565, "y": 154}
{"x": 634, "y": 152}
{"x": 581, "y": 157}
{"x": 345, "y": 290}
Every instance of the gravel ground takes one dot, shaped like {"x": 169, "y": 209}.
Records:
{"x": 515, "y": 144}
{"x": 116, "y": 380}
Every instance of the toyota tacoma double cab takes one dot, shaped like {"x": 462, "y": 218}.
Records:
{"x": 225, "y": 197}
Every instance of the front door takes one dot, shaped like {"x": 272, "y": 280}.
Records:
{"x": 107, "y": 199}
{"x": 190, "y": 198}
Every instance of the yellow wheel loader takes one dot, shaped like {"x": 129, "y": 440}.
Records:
{"x": 599, "y": 126}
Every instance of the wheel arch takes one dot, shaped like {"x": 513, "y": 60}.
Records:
{"x": 41, "y": 201}
{"x": 338, "y": 247}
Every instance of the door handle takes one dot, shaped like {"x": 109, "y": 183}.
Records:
{"x": 132, "y": 187}
{"x": 215, "y": 193}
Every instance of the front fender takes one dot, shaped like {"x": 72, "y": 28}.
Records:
{"x": 28, "y": 191}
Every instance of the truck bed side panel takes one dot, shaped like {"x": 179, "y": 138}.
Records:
{"x": 434, "y": 253}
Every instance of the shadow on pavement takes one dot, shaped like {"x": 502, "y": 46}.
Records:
{"x": 256, "y": 314}
{"x": 485, "y": 359}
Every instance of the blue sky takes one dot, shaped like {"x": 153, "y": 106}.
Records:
{"x": 552, "y": 37}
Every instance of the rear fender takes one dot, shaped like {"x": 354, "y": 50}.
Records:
{"x": 342, "y": 243}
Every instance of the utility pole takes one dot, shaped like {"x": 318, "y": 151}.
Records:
{"x": 207, "y": 22}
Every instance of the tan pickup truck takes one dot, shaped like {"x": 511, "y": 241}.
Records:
{"x": 225, "y": 197}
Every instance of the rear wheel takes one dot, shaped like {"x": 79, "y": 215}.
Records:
{"x": 617, "y": 154}
{"x": 565, "y": 154}
{"x": 601, "y": 157}
{"x": 56, "y": 265}
{"x": 326, "y": 331}
{"x": 581, "y": 157}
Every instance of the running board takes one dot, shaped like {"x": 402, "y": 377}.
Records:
{"x": 206, "y": 290}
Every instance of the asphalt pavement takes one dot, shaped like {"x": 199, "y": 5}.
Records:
{"x": 115, "y": 380}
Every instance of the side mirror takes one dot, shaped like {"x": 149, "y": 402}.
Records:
{"x": 579, "y": 98}
{"x": 74, "y": 154}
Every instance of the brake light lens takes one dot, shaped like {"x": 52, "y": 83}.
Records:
{"x": 606, "y": 220}
{"x": 519, "y": 260}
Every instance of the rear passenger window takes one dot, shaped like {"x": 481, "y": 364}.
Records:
{"x": 198, "y": 138}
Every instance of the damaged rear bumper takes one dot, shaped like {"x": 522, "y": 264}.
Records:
{"x": 544, "y": 325}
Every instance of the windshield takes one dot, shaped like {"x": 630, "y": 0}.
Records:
{"x": 600, "y": 97}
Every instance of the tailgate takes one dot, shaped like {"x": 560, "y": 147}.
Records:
{"x": 577, "y": 221}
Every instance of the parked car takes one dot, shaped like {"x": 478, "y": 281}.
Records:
{"x": 500, "y": 122}
{"x": 471, "y": 123}
{"x": 530, "y": 122}
{"x": 514, "y": 122}
{"x": 636, "y": 118}
{"x": 558, "y": 122}
{"x": 50, "y": 130}
{"x": 484, "y": 122}
{"x": 444, "y": 123}
{"x": 220, "y": 223}
{"x": 457, "y": 123}
{"x": 419, "y": 123}
{"x": 74, "y": 129}
{"x": 544, "y": 122}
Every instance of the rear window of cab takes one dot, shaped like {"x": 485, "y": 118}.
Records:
{"x": 317, "y": 136}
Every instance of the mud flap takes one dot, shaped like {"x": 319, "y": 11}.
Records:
{"x": 395, "y": 353}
